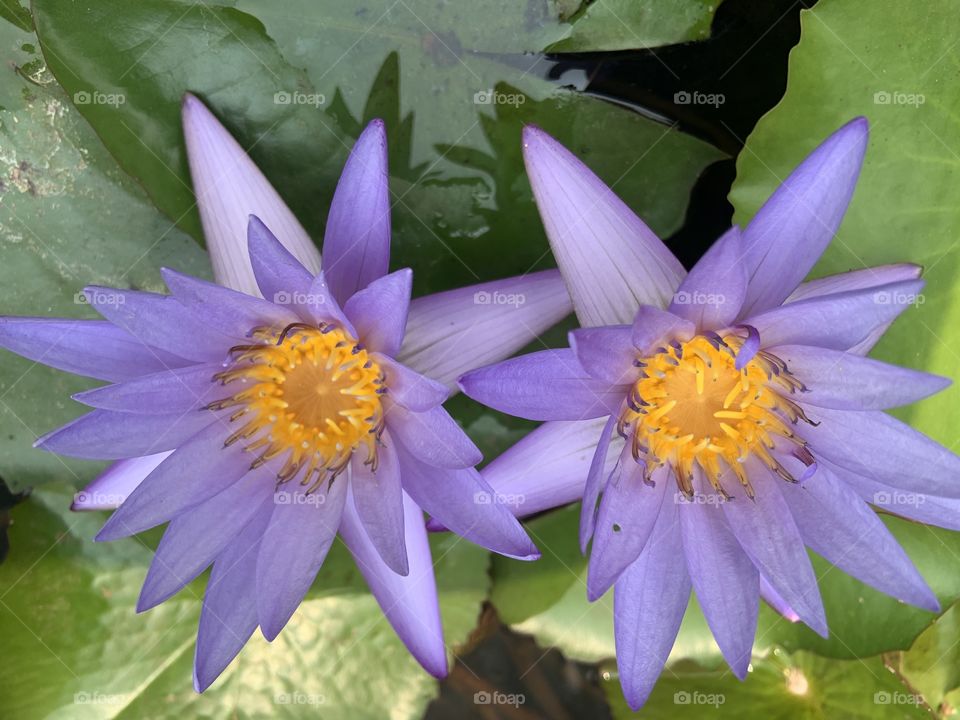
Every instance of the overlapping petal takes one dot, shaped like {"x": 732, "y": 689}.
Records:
{"x": 546, "y": 385}
{"x": 229, "y": 188}
{"x": 356, "y": 244}
{"x": 453, "y": 332}
{"x": 611, "y": 261}
{"x": 794, "y": 227}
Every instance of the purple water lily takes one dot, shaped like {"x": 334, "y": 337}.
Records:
{"x": 724, "y": 418}
{"x": 262, "y": 415}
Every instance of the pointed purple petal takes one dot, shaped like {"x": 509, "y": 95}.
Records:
{"x": 378, "y": 498}
{"x": 411, "y": 389}
{"x": 773, "y": 599}
{"x": 110, "y": 489}
{"x": 452, "y": 332}
{"x": 653, "y": 327}
{"x": 549, "y": 466}
{"x": 177, "y": 390}
{"x": 408, "y": 601}
{"x": 838, "y": 525}
{"x": 845, "y": 381}
{"x": 929, "y": 509}
{"x": 606, "y": 353}
{"x": 196, "y": 471}
{"x": 856, "y": 280}
{"x": 295, "y": 544}
{"x": 712, "y": 294}
{"x": 794, "y": 227}
{"x": 749, "y": 349}
{"x": 379, "y": 311}
{"x": 322, "y": 307}
{"x": 875, "y": 445}
{"x": 463, "y": 502}
{"x": 766, "y": 531}
{"x": 93, "y": 348}
{"x": 597, "y": 476}
{"x": 870, "y": 277}
{"x": 725, "y": 580}
{"x": 229, "y": 614}
{"x": 195, "y": 539}
{"x": 838, "y": 321}
{"x": 432, "y": 436}
{"x": 545, "y": 385}
{"x": 279, "y": 275}
{"x": 229, "y": 311}
{"x": 161, "y": 321}
{"x": 356, "y": 244}
{"x": 612, "y": 262}
{"x": 628, "y": 512}
{"x": 649, "y": 601}
{"x": 229, "y": 188}
{"x": 107, "y": 435}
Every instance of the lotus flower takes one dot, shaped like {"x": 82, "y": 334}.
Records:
{"x": 262, "y": 414}
{"x": 724, "y": 418}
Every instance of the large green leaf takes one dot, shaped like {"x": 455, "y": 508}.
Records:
{"x": 454, "y": 106}
{"x": 780, "y": 686}
{"x": 74, "y": 646}
{"x": 932, "y": 664}
{"x": 634, "y": 24}
{"x": 68, "y": 218}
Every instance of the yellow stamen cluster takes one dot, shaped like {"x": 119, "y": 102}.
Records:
{"x": 312, "y": 393}
{"x": 691, "y": 405}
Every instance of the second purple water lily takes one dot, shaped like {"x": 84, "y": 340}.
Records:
{"x": 715, "y": 423}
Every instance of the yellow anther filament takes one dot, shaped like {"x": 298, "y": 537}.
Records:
{"x": 311, "y": 394}
{"x": 692, "y": 406}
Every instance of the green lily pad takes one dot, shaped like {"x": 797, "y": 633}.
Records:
{"x": 932, "y": 664}
{"x": 12, "y": 11}
{"x": 780, "y": 685}
{"x": 68, "y": 217}
{"x": 634, "y": 24}
{"x": 67, "y": 617}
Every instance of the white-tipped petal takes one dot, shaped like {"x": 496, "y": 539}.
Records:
{"x": 230, "y": 188}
